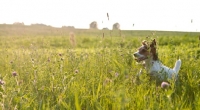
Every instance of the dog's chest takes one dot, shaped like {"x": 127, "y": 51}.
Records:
{"x": 153, "y": 66}
{"x": 156, "y": 66}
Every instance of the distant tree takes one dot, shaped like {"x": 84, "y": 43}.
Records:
{"x": 93, "y": 25}
{"x": 116, "y": 26}
{"x": 18, "y": 23}
{"x": 105, "y": 28}
{"x": 41, "y": 25}
{"x": 68, "y": 27}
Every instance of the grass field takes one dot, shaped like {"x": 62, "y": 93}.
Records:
{"x": 46, "y": 69}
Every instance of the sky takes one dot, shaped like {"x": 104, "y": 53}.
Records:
{"x": 169, "y": 15}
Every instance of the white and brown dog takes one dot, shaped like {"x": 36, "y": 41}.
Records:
{"x": 148, "y": 55}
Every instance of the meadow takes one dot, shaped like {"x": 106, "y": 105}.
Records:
{"x": 48, "y": 68}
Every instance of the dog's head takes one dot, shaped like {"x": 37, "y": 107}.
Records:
{"x": 146, "y": 51}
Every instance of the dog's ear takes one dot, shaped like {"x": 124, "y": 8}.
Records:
{"x": 154, "y": 41}
{"x": 153, "y": 50}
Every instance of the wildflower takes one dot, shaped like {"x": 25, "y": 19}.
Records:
{"x": 164, "y": 85}
{"x": 76, "y": 71}
{"x": 48, "y": 60}
{"x": 14, "y": 73}
{"x": 116, "y": 74}
{"x": 2, "y": 82}
{"x": 11, "y": 62}
{"x": 61, "y": 59}
{"x": 60, "y": 54}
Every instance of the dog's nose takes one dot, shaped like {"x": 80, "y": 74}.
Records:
{"x": 135, "y": 54}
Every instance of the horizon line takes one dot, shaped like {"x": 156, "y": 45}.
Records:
{"x": 105, "y": 28}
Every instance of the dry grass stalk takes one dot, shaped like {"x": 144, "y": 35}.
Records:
{"x": 108, "y": 16}
{"x": 199, "y": 42}
{"x": 123, "y": 38}
{"x": 102, "y": 38}
{"x": 72, "y": 39}
{"x": 120, "y": 34}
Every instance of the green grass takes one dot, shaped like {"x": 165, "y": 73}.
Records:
{"x": 97, "y": 73}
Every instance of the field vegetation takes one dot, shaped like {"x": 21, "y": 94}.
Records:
{"x": 45, "y": 68}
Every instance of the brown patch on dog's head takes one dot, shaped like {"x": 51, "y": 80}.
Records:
{"x": 142, "y": 52}
{"x": 144, "y": 42}
{"x": 144, "y": 48}
{"x": 153, "y": 50}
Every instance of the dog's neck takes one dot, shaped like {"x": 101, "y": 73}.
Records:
{"x": 149, "y": 62}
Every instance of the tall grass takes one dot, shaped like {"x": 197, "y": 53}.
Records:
{"x": 45, "y": 72}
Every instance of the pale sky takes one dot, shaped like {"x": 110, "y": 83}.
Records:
{"x": 175, "y": 15}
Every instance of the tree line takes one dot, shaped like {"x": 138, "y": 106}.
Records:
{"x": 94, "y": 25}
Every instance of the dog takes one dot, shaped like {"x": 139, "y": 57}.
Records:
{"x": 156, "y": 70}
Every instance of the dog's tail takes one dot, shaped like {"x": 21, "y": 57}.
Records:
{"x": 177, "y": 66}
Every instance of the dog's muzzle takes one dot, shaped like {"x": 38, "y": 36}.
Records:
{"x": 135, "y": 55}
{"x": 139, "y": 57}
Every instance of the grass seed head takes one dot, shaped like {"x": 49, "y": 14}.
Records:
{"x": 108, "y": 16}
{"x": 164, "y": 85}
{"x": 14, "y": 73}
